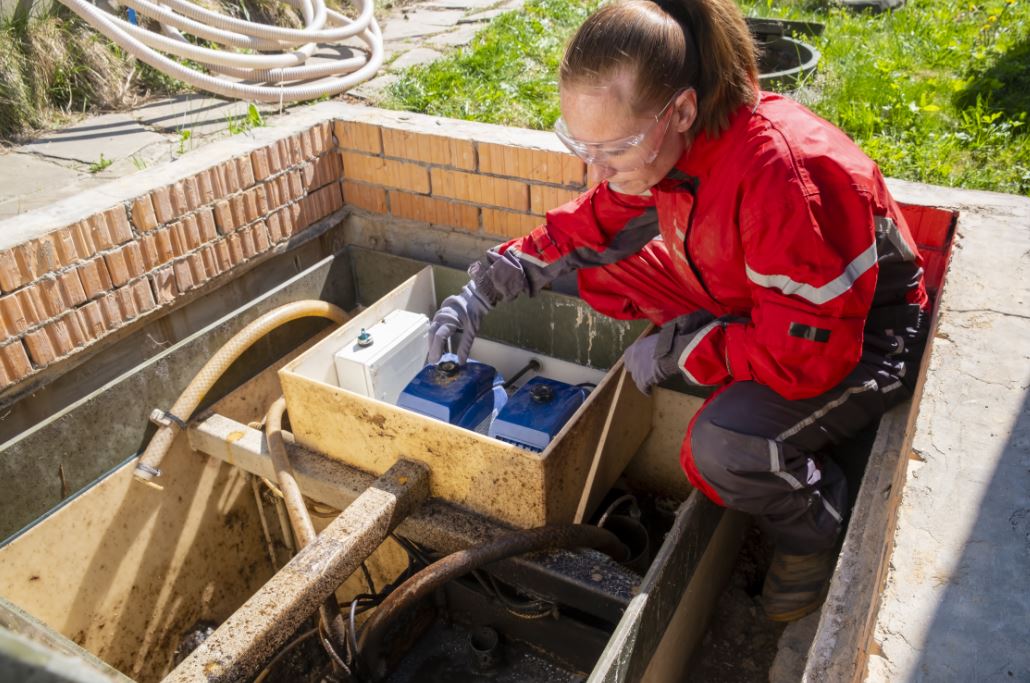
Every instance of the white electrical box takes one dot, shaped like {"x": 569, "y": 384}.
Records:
{"x": 381, "y": 365}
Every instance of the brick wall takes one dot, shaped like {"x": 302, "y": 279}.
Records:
{"x": 482, "y": 179}
{"x": 69, "y": 287}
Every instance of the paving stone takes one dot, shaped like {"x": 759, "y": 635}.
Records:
{"x": 434, "y": 17}
{"x": 459, "y": 37}
{"x": 28, "y": 182}
{"x": 371, "y": 90}
{"x": 399, "y": 28}
{"x": 416, "y": 57}
{"x": 202, "y": 115}
{"x": 461, "y": 4}
{"x": 117, "y": 136}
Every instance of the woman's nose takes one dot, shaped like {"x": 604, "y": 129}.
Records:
{"x": 598, "y": 172}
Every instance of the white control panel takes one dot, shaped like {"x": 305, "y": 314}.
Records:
{"x": 382, "y": 363}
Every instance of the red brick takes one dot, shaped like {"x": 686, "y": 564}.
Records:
{"x": 41, "y": 349}
{"x": 260, "y": 198}
{"x": 222, "y": 256}
{"x": 283, "y": 184}
{"x": 274, "y": 226}
{"x": 296, "y": 148}
{"x": 179, "y": 203}
{"x": 192, "y": 190}
{"x": 235, "y": 248}
{"x": 30, "y": 299}
{"x": 77, "y": 329}
{"x": 210, "y": 261}
{"x": 284, "y": 153}
{"x": 259, "y": 159}
{"x": 223, "y": 217}
{"x": 286, "y": 221}
{"x": 307, "y": 143}
{"x": 83, "y": 239}
{"x": 92, "y": 320}
{"x": 165, "y": 248}
{"x": 363, "y": 137}
{"x": 206, "y": 187}
{"x": 40, "y": 254}
{"x": 134, "y": 259}
{"x": 218, "y": 181}
{"x": 250, "y": 207}
{"x": 197, "y": 268}
{"x": 50, "y": 290}
{"x": 543, "y": 198}
{"x": 126, "y": 304}
{"x": 239, "y": 210}
{"x": 560, "y": 168}
{"x": 247, "y": 239}
{"x": 307, "y": 175}
{"x": 260, "y": 231}
{"x": 61, "y": 337}
{"x": 15, "y": 319}
{"x": 275, "y": 200}
{"x": 296, "y": 184}
{"x": 71, "y": 288}
{"x": 110, "y": 311}
{"x": 192, "y": 227}
{"x": 484, "y": 190}
{"x": 437, "y": 211}
{"x": 12, "y": 276}
{"x": 323, "y": 137}
{"x": 275, "y": 162}
{"x": 183, "y": 275}
{"x": 185, "y": 237}
{"x": 117, "y": 267}
{"x": 232, "y": 178}
{"x": 368, "y": 197}
{"x": 161, "y": 198}
{"x": 244, "y": 171}
{"x": 118, "y": 227}
{"x": 148, "y": 247}
{"x": 206, "y": 221}
{"x": 165, "y": 285}
{"x": 67, "y": 250}
{"x": 15, "y": 361}
{"x": 94, "y": 277}
{"x": 142, "y": 295}
{"x": 4, "y": 332}
{"x": 430, "y": 149}
{"x": 98, "y": 232}
{"x": 143, "y": 216}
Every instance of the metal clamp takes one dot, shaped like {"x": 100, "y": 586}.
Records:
{"x": 163, "y": 418}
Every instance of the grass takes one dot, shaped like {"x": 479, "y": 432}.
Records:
{"x": 937, "y": 92}
{"x": 100, "y": 164}
{"x": 242, "y": 124}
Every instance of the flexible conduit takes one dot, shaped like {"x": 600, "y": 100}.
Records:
{"x": 174, "y": 421}
{"x": 274, "y": 67}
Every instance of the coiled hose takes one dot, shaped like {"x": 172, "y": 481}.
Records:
{"x": 274, "y": 67}
{"x": 174, "y": 421}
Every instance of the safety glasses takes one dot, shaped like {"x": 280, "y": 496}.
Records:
{"x": 624, "y": 154}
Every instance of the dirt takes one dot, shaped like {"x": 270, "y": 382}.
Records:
{"x": 741, "y": 643}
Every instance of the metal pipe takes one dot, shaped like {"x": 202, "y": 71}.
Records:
{"x": 462, "y": 562}
{"x": 300, "y": 520}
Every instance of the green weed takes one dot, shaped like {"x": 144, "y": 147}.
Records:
{"x": 242, "y": 124}
{"x": 100, "y": 164}
{"x": 185, "y": 136}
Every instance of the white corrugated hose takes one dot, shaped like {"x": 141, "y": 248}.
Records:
{"x": 254, "y": 61}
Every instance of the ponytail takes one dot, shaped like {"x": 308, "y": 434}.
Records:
{"x": 668, "y": 45}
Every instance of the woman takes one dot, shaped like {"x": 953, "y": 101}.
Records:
{"x": 761, "y": 241}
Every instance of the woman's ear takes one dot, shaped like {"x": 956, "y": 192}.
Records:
{"x": 686, "y": 110}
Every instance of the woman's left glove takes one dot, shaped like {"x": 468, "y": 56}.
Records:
{"x": 652, "y": 359}
{"x": 463, "y": 311}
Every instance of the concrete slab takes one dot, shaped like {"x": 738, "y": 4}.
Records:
{"x": 28, "y": 182}
{"x": 116, "y": 136}
{"x": 399, "y": 29}
{"x": 434, "y": 17}
{"x": 371, "y": 91}
{"x": 957, "y": 598}
{"x": 461, "y": 4}
{"x": 416, "y": 57}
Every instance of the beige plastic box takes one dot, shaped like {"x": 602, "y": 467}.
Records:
{"x": 488, "y": 476}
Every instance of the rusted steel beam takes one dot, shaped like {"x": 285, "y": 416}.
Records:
{"x": 261, "y": 626}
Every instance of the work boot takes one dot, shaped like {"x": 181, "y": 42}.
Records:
{"x": 796, "y": 584}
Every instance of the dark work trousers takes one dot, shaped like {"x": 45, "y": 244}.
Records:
{"x": 752, "y": 450}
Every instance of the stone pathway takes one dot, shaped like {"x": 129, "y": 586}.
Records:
{"x": 97, "y": 149}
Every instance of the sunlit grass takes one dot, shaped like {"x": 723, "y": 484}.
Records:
{"x": 937, "y": 92}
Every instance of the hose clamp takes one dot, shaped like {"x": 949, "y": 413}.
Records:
{"x": 163, "y": 418}
{"x": 144, "y": 467}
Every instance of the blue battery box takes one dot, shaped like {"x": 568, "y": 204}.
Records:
{"x": 537, "y": 412}
{"x": 462, "y": 395}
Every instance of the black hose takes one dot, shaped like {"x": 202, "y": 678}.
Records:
{"x": 462, "y": 562}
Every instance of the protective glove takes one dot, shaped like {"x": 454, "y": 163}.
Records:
{"x": 463, "y": 312}
{"x": 652, "y": 359}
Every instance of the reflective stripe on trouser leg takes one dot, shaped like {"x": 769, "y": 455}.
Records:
{"x": 761, "y": 453}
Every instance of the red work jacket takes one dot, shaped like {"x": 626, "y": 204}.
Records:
{"x": 777, "y": 227}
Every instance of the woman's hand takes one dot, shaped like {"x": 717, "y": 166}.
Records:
{"x": 463, "y": 311}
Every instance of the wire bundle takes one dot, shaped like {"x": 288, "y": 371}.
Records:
{"x": 251, "y": 60}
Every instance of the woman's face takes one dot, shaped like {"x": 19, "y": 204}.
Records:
{"x": 632, "y": 152}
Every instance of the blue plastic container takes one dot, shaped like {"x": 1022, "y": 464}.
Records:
{"x": 462, "y": 395}
{"x": 537, "y": 412}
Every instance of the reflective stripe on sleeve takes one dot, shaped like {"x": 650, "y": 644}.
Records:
{"x": 698, "y": 338}
{"x": 818, "y": 295}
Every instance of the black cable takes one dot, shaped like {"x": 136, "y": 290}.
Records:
{"x": 368, "y": 579}
{"x": 283, "y": 652}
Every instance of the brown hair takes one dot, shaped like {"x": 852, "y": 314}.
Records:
{"x": 668, "y": 45}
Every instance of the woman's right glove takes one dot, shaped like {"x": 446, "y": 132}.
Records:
{"x": 463, "y": 311}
